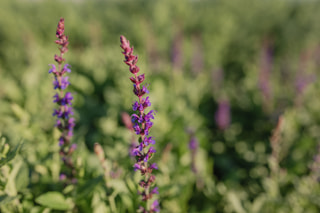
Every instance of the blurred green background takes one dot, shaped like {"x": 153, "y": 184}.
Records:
{"x": 220, "y": 71}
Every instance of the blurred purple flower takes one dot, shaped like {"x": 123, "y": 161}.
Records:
{"x": 197, "y": 63}
{"x": 222, "y": 115}
{"x": 303, "y": 79}
{"x": 265, "y": 70}
{"x": 176, "y": 52}
{"x": 217, "y": 77}
{"x": 155, "y": 206}
{"x": 315, "y": 166}
{"x": 193, "y": 146}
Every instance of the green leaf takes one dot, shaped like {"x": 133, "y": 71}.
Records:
{"x": 235, "y": 202}
{"x": 88, "y": 187}
{"x": 53, "y": 200}
{"x": 6, "y": 199}
{"x": 10, "y": 155}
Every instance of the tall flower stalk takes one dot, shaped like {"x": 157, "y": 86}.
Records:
{"x": 64, "y": 111}
{"x": 222, "y": 115}
{"x": 142, "y": 123}
{"x": 193, "y": 147}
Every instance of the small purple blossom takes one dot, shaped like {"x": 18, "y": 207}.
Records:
{"x": 66, "y": 68}
{"x": 136, "y": 118}
{"x": 137, "y": 129}
{"x": 140, "y": 91}
{"x": 59, "y": 124}
{"x": 67, "y": 99}
{"x": 62, "y": 176}
{"x": 136, "y": 106}
{"x": 61, "y": 141}
{"x": 141, "y": 125}
{"x": 57, "y": 112}
{"x": 148, "y": 140}
{"x": 145, "y": 102}
{"x": 154, "y": 190}
{"x": 151, "y": 150}
{"x": 149, "y": 116}
{"x": 71, "y": 123}
{"x": 137, "y": 167}
{"x": 154, "y": 166}
{"x": 61, "y": 82}
{"x": 155, "y": 206}
{"x": 53, "y": 69}
{"x": 64, "y": 82}
{"x": 56, "y": 98}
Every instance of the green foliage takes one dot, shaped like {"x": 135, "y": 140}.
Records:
{"x": 220, "y": 47}
{"x": 53, "y": 200}
{"x": 6, "y": 154}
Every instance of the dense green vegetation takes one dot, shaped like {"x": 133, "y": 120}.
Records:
{"x": 259, "y": 57}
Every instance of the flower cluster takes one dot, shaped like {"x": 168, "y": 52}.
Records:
{"x": 65, "y": 122}
{"x": 142, "y": 122}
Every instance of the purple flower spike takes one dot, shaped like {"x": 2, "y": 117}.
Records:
{"x": 141, "y": 121}
{"x": 65, "y": 123}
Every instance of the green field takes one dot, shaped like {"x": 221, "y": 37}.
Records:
{"x": 219, "y": 72}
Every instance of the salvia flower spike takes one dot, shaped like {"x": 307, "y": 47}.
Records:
{"x": 64, "y": 111}
{"x": 141, "y": 124}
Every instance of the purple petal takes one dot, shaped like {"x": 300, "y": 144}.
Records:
{"x": 153, "y": 166}
{"x": 56, "y": 98}
{"x": 53, "y": 68}
{"x": 136, "y": 167}
{"x": 154, "y": 190}
{"x": 66, "y": 68}
{"x": 155, "y": 206}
